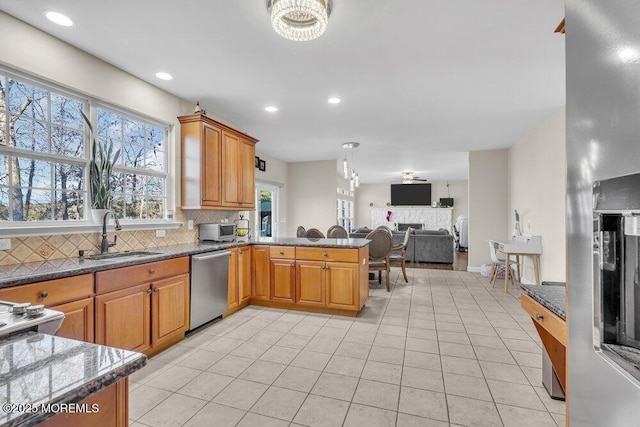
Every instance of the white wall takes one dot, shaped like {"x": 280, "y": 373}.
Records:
{"x": 38, "y": 54}
{"x": 488, "y": 203}
{"x": 312, "y": 195}
{"x": 380, "y": 195}
{"x": 277, "y": 174}
{"x": 537, "y": 189}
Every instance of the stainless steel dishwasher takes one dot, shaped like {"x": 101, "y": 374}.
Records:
{"x": 209, "y": 275}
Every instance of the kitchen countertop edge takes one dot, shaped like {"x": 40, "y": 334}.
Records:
{"x": 81, "y": 392}
{"x": 551, "y": 297}
{"x": 26, "y": 273}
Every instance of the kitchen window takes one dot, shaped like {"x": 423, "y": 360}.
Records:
{"x": 44, "y": 156}
{"x": 140, "y": 174}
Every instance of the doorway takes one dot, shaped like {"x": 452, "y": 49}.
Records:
{"x": 266, "y": 224}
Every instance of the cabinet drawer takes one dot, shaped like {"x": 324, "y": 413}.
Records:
{"x": 286, "y": 252}
{"x": 120, "y": 278}
{"x": 545, "y": 318}
{"x": 51, "y": 292}
{"x": 327, "y": 254}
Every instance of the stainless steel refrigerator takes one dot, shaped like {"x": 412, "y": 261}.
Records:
{"x": 603, "y": 142}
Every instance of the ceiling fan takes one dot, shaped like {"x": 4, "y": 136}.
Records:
{"x": 408, "y": 178}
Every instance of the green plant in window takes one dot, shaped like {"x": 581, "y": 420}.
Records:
{"x": 100, "y": 170}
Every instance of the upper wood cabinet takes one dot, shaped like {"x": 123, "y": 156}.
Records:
{"x": 218, "y": 165}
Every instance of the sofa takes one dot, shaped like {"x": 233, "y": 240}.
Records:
{"x": 435, "y": 246}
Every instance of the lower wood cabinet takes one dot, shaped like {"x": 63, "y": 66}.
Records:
{"x": 71, "y": 295}
{"x": 330, "y": 280}
{"x": 148, "y": 316}
{"x": 261, "y": 288}
{"x": 283, "y": 280}
{"x": 78, "y": 320}
{"x": 310, "y": 283}
{"x": 341, "y": 285}
{"x": 123, "y": 318}
{"x": 240, "y": 278}
{"x": 169, "y": 309}
{"x": 113, "y": 404}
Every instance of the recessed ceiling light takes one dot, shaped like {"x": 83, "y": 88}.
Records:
{"x": 334, "y": 100}
{"x": 164, "y": 76}
{"x": 271, "y": 109}
{"x": 628, "y": 54}
{"x": 58, "y": 18}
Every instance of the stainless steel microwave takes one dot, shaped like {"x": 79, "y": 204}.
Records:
{"x": 218, "y": 232}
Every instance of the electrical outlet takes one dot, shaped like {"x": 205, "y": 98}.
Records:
{"x": 190, "y": 224}
{"x": 161, "y": 233}
{"x": 5, "y": 244}
{"x": 283, "y": 220}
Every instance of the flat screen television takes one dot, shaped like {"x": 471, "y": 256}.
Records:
{"x": 411, "y": 194}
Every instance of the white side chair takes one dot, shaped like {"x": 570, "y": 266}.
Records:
{"x": 499, "y": 262}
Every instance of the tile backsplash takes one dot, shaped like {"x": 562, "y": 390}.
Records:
{"x": 42, "y": 248}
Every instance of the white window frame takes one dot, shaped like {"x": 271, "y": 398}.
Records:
{"x": 12, "y": 228}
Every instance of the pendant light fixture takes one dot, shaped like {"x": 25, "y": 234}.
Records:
{"x": 349, "y": 165}
{"x": 299, "y": 20}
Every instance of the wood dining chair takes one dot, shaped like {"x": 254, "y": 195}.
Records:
{"x": 314, "y": 233}
{"x": 337, "y": 232}
{"x": 300, "y": 232}
{"x": 401, "y": 257}
{"x": 379, "y": 250}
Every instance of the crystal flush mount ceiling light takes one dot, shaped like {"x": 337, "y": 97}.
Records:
{"x": 299, "y": 20}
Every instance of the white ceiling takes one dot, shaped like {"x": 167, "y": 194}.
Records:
{"x": 421, "y": 82}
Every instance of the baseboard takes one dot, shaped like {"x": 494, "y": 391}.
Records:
{"x": 473, "y": 269}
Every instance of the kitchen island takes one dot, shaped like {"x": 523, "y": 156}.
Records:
{"x": 61, "y": 382}
{"x": 318, "y": 275}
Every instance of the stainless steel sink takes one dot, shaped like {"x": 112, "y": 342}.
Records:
{"x": 121, "y": 255}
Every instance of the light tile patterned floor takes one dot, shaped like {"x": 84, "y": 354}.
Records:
{"x": 445, "y": 349}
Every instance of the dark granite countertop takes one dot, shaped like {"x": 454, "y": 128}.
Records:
{"x": 552, "y": 297}
{"x": 40, "y": 369}
{"x": 20, "y": 274}
{"x": 320, "y": 243}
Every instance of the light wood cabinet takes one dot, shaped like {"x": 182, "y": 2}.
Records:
{"x": 78, "y": 320}
{"x": 329, "y": 280}
{"x": 245, "y": 270}
{"x": 261, "y": 273}
{"x": 123, "y": 318}
{"x": 143, "y": 307}
{"x": 233, "y": 297}
{"x": 310, "y": 283}
{"x": 218, "y": 165}
{"x": 240, "y": 279}
{"x": 113, "y": 402}
{"x": 341, "y": 285}
{"x": 169, "y": 309}
{"x": 71, "y": 295}
{"x": 283, "y": 280}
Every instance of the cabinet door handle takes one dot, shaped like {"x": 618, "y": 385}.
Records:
{"x": 293, "y": 265}
{"x": 539, "y": 316}
{"x": 152, "y": 271}
{"x": 281, "y": 253}
{"x": 156, "y": 290}
{"x": 149, "y": 291}
{"x": 325, "y": 254}
{"x": 44, "y": 294}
